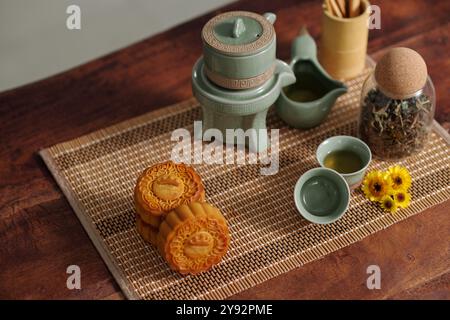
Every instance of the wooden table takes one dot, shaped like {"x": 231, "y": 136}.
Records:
{"x": 40, "y": 235}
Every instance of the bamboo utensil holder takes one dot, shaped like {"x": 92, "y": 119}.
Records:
{"x": 343, "y": 45}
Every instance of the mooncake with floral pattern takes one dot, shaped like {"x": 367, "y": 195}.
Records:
{"x": 163, "y": 187}
{"x": 193, "y": 237}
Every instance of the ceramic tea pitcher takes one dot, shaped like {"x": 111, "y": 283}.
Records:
{"x": 316, "y": 92}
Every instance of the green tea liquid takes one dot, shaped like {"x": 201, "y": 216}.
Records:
{"x": 343, "y": 161}
{"x": 307, "y": 88}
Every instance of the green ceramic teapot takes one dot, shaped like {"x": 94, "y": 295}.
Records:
{"x": 239, "y": 49}
{"x": 239, "y": 109}
{"x": 238, "y": 78}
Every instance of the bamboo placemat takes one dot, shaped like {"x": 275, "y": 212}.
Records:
{"x": 97, "y": 173}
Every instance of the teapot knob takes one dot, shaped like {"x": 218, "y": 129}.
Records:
{"x": 238, "y": 28}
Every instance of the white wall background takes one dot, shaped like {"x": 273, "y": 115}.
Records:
{"x": 35, "y": 43}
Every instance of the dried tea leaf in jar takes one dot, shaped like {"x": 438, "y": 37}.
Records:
{"x": 397, "y": 106}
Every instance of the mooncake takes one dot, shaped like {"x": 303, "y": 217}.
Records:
{"x": 193, "y": 237}
{"x": 147, "y": 217}
{"x": 146, "y": 231}
{"x": 165, "y": 186}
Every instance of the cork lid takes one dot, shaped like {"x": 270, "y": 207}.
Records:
{"x": 238, "y": 33}
{"x": 401, "y": 72}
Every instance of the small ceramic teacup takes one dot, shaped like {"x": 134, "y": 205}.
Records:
{"x": 321, "y": 195}
{"x": 349, "y": 144}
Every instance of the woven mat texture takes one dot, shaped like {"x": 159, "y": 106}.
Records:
{"x": 97, "y": 173}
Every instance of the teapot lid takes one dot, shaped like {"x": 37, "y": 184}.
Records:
{"x": 238, "y": 33}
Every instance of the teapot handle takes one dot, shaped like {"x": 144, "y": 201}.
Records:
{"x": 285, "y": 74}
{"x": 271, "y": 17}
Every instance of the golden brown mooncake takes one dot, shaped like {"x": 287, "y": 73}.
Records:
{"x": 146, "y": 217}
{"x": 193, "y": 237}
{"x": 165, "y": 186}
{"x": 146, "y": 231}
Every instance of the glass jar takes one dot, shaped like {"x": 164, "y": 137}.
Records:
{"x": 398, "y": 127}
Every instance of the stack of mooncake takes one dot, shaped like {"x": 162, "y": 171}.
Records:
{"x": 172, "y": 215}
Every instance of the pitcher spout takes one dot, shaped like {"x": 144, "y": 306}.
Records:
{"x": 339, "y": 91}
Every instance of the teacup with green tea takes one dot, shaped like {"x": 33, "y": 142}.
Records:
{"x": 347, "y": 155}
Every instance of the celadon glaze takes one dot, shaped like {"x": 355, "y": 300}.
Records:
{"x": 304, "y": 62}
{"x": 241, "y": 67}
{"x": 239, "y": 109}
{"x": 321, "y": 195}
{"x": 238, "y": 30}
{"x": 347, "y": 143}
{"x": 239, "y": 45}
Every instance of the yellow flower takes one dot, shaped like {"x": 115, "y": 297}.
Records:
{"x": 402, "y": 198}
{"x": 389, "y": 204}
{"x": 376, "y": 185}
{"x": 401, "y": 179}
